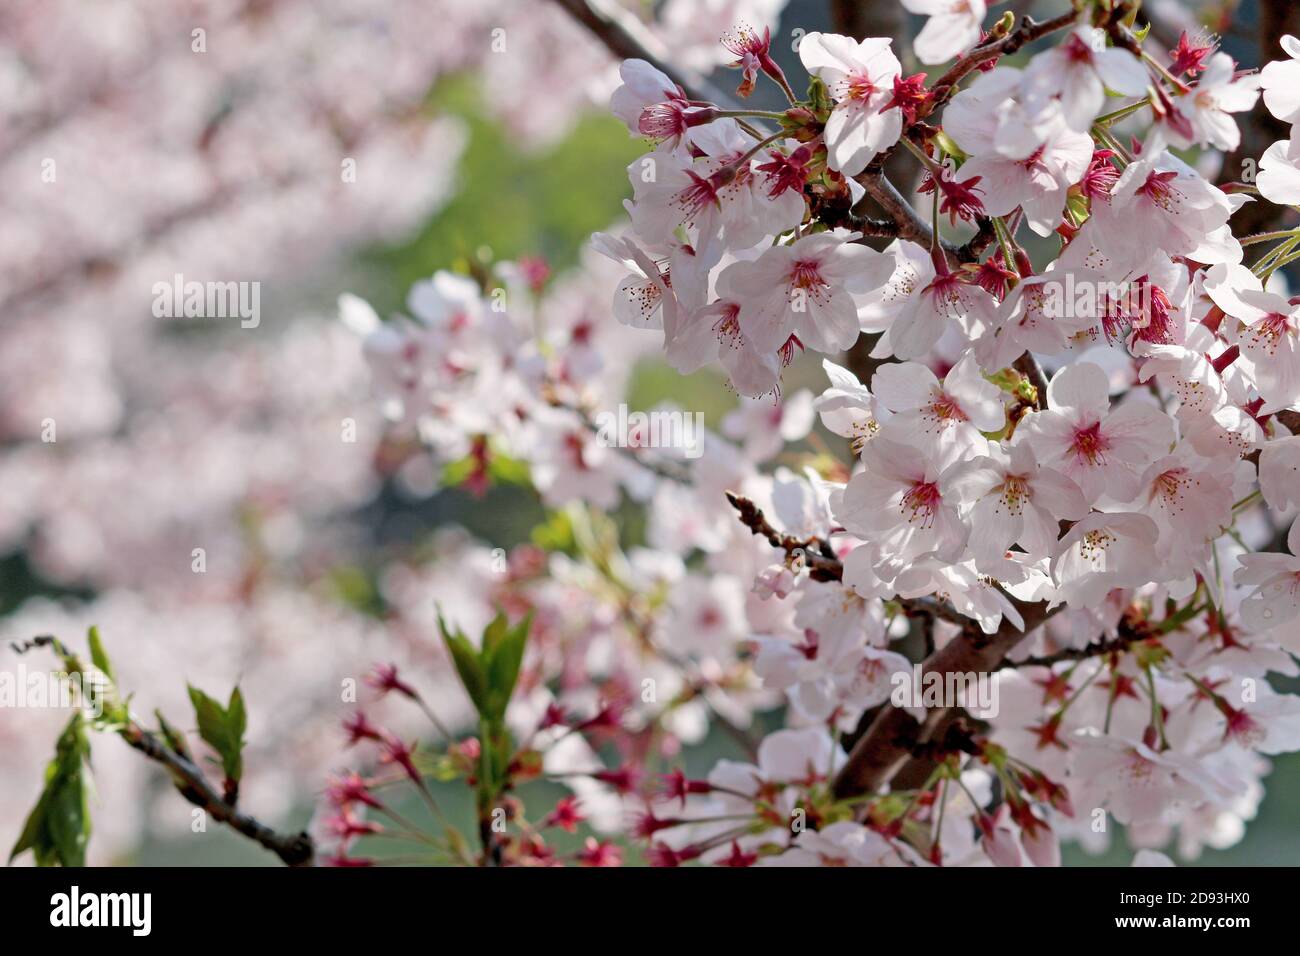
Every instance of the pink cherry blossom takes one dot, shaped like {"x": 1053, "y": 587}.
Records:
{"x": 1103, "y": 451}
{"x": 1276, "y": 579}
{"x": 860, "y": 77}
{"x": 953, "y": 26}
{"x": 805, "y": 289}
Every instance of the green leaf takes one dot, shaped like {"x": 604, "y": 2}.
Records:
{"x": 1175, "y": 621}
{"x": 58, "y": 828}
{"x": 222, "y": 728}
{"x": 237, "y": 716}
{"x": 555, "y": 534}
{"x": 507, "y": 654}
{"x": 494, "y": 761}
{"x": 949, "y": 146}
{"x": 466, "y": 659}
{"x": 1078, "y": 206}
{"x": 455, "y": 473}
{"x": 511, "y": 471}
{"x": 175, "y": 739}
{"x": 493, "y": 635}
{"x": 97, "y": 654}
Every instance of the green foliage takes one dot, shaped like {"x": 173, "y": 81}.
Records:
{"x": 358, "y": 588}
{"x": 500, "y": 469}
{"x": 513, "y": 202}
{"x": 222, "y": 728}
{"x": 489, "y": 675}
{"x": 555, "y": 534}
{"x": 98, "y": 656}
{"x": 58, "y": 828}
{"x": 174, "y": 738}
{"x": 503, "y": 653}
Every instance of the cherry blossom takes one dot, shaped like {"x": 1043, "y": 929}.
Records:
{"x": 1017, "y": 501}
{"x": 1102, "y": 552}
{"x": 1074, "y": 76}
{"x": 954, "y": 411}
{"x": 1276, "y": 579}
{"x": 1062, "y": 468}
{"x": 952, "y": 27}
{"x": 1103, "y": 451}
{"x": 908, "y": 498}
{"x": 805, "y": 290}
{"x": 860, "y": 77}
{"x": 923, "y": 299}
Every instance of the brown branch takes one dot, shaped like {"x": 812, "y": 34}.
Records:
{"x": 1027, "y": 32}
{"x": 910, "y": 224}
{"x": 627, "y": 38}
{"x": 295, "y": 849}
{"x": 816, "y": 553}
{"x": 894, "y": 737}
{"x": 1095, "y": 649}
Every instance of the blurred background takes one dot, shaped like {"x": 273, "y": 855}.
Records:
{"x": 315, "y": 147}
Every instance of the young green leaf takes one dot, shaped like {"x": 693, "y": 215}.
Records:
{"x": 466, "y": 659}
{"x": 58, "y": 828}
{"x": 503, "y": 667}
{"x": 98, "y": 656}
{"x": 222, "y": 728}
{"x": 493, "y": 634}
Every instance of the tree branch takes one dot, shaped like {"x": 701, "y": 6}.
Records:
{"x": 294, "y": 849}
{"x": 816, "y": 553}
{"x": 894, "y": 737}
{"x": 627, "y": 38}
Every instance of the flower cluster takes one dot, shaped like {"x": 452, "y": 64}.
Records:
{"x": 203, "y": 491}
{"x": 1081, "y": 536}
{"x": 1016, "y": 575}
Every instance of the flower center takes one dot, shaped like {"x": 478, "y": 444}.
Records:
{"x": 1172, "y": 486}
{"x": 1094, "y": 544}
{"x": 645, "y": 297}
{"x": 1013, "y": 493}
{"x": 1269, "y": 331}
{"x": 727, "y": 328}
{"x": 1157, "y": 188}
{"x": 1090, "y": 444}
{"x": 922, "y": 500}
{"x": 858, "y": 87}
{"x": 806, "y": 281}
{"x": 700, "y": 193}
{"x": 944, "y": 410}
{"x": 1077, "y": 50}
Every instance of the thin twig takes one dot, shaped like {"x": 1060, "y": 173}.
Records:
{"x": 294, "y": 849}
{"x": 627, "y": 38}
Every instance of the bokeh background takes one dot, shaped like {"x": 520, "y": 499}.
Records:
{"x": 477, "y": 132}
